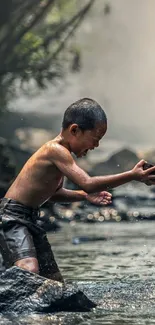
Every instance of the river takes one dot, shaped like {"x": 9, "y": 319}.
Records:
{"x": 118, "y": 274}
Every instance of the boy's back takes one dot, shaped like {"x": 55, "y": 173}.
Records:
{"x": 39, "y": 179}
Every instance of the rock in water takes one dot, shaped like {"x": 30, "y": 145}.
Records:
{"x": 23, "y": 291}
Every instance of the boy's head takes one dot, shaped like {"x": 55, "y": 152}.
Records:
{"x": 86, "y": 123}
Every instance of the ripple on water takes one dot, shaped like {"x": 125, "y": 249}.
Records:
{"x": 118, "y": 273}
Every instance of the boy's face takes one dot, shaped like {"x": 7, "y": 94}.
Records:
{"x": 82, "y": 141}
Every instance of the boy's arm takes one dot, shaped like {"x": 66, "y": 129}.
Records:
{"x": 65, "y": 195}
{"x": 64, "y": 161}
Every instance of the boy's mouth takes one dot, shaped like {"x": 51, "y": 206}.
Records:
{"x": 85, "y": 152}
{"x": 82, "y": 154}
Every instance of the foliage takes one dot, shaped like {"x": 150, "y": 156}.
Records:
{"x": 33, "y": 38}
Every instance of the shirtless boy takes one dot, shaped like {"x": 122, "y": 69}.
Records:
{"x": 22, "y": 241}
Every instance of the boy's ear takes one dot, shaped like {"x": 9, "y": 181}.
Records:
{"x": 74, "y": 129}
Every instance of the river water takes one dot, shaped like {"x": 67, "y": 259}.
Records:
{"x": 118, "y": 274}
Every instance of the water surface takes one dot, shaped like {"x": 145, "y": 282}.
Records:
{"x": 118, "y": 274}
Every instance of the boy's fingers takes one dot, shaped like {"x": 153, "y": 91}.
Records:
{"x": 107, "y": 198}
{"x": 106, "y": 194}
{"x": 150, "y": 170}
{"x": 141, "y": 163}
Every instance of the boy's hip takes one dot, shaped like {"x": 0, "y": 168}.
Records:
{"x": 12, "y": 211}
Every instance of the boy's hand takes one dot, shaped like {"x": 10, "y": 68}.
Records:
{"x": 101, "y": 198}
{"x": 142, "y": 175}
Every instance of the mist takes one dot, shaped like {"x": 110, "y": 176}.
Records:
{"x": 118, "y": 70}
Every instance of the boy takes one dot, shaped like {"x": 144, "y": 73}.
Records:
{"x": 23, "y": 243}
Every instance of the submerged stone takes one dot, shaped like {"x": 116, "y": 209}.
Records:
{"x": 23, "y": 291}
{"x": 86, "y": 239}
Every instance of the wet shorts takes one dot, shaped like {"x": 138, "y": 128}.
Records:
{"x": 21, "y": 237}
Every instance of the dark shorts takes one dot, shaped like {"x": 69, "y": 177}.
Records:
{"x": 22, "y": 237}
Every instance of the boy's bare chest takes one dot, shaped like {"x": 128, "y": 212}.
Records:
{"x": 52, "y": 177}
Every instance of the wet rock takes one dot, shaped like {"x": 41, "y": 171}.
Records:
{"x": 23, "y": 291}
{"x": 124, "y": 296}
{"x": 2, "y": 267}
{"x": 122, "y": 160}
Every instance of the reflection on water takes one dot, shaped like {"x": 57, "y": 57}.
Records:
{"x": 129, "y": 253}
{"x": 118, "y": 274}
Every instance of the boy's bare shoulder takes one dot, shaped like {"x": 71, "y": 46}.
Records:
{"x": 57, "y": 151}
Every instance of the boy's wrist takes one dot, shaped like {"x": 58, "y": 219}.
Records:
{"x": 130, "y": 175}
{"x": 85, "y": 196}
{"x": 134, "y": 176}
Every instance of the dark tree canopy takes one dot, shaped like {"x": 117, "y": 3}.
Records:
{"x": 32, "y": 47}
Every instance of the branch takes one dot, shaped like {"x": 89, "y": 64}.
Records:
{"x": 36, "y": 19}
{"x": 80, "y": 15}
{"x": 12, "y": 24}
{"x": 74, "y": 21}
{"x": 77, "y": 17}
{"x": 67, "y": 24}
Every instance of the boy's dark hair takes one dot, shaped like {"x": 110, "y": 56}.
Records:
{"x": 85, "y": 112}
